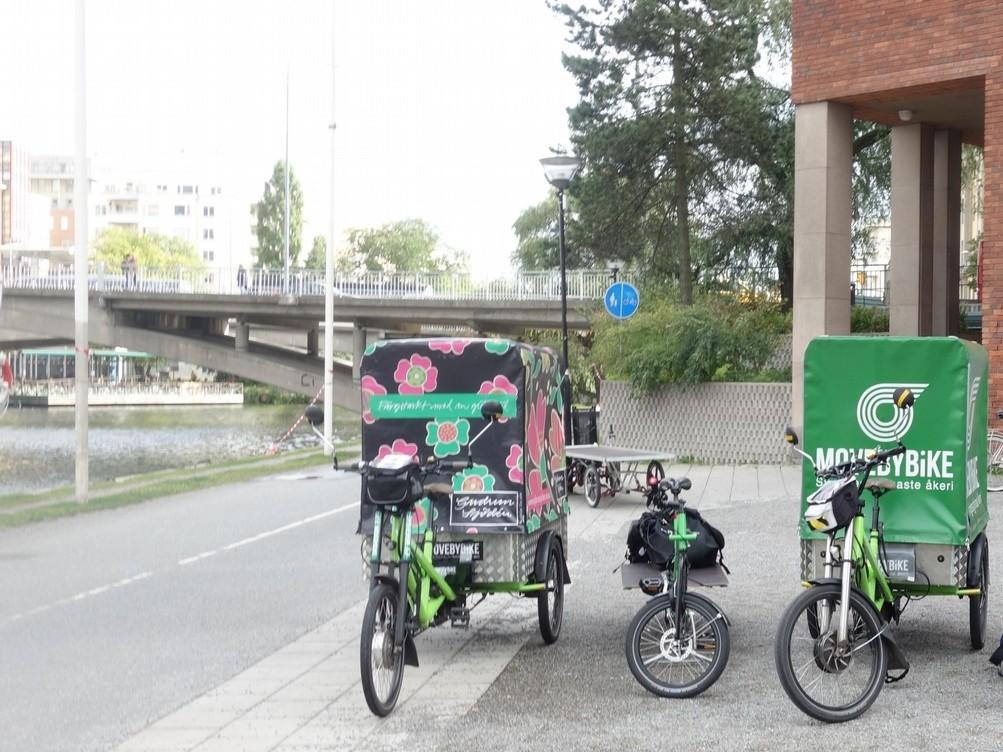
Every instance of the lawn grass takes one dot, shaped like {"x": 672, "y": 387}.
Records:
{"x": 156, "y": 485}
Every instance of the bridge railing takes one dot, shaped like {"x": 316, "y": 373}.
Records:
{"x": 583, "y": 284}
{"x": 62, "y": 387}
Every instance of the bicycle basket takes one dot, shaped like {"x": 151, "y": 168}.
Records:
{"x": 832, "y": 506}
{"x": 392, "y": 480}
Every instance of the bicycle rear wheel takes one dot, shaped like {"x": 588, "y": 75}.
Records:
{"x": 677, "y": 660}
{"x": 994, "y": 462}
{"x": 382, "y": 664}
{"x": 824, "y": 681}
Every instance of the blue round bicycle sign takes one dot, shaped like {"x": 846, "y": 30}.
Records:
{"x": 621, "y": 300}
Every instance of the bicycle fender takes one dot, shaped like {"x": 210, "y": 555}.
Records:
{"x": 540, "y": 560}
{"x": 826, "y": 581}
{"x": 410, "y": 651}
{"x": 383, "y": 578}
{"x": 975, "y": 560}
{"x": 896, "y": 658}
{"x": 564, "y": 561}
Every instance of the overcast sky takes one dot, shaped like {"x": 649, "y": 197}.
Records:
{"x": 443, "y": 106}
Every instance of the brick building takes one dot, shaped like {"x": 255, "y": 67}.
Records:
{"x": 933, "y": 70}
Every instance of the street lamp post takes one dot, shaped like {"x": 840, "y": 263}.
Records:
{"x": 559, "y": 172}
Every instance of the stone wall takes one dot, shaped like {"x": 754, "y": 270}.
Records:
{"x": 719, "y": 423}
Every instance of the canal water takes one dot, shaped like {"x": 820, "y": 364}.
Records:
{"x": 38, "y": 446}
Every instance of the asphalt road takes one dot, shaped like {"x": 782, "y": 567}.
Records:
{"x": 86, "y": 667}
{"x": 110, "y": 620}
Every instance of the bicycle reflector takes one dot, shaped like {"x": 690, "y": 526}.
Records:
{"x": 833, "y": 505}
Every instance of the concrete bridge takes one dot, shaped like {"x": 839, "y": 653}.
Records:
{"x": 267, "y": 326}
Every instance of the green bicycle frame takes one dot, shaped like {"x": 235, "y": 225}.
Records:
{"x": 681, "y": 538}
{"x": 405, "y": 552}
{"x": 869, "y": 576}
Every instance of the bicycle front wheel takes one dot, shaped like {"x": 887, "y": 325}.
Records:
{"x": 677, "y": 660}
{"x": 826, "y": 681}
{"x": 382, "y": 664}
{"x": 994, "y": 462}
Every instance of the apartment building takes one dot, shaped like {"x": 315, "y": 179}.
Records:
{"x": 196, "y": 210}
{"x": 14, "y": 194}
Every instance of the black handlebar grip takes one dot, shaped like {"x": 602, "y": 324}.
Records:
{"x": 454, "y": 465}
{"x": 882, "y": 456}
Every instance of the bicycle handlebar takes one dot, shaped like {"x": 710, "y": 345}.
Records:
{"x": 433, "y": 466}
{"x": 845, "y": 469}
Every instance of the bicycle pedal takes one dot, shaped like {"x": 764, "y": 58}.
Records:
{"x": 651, "y": 585}
{"x": 459, "y": 617}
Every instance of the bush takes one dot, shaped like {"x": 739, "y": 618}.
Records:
{"x": 264, "y": 394}
{"x": 867, "y": 319}
{"x": 666, "y": 342}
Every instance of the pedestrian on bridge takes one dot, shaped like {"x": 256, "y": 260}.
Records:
{"x": 242, "y": 279}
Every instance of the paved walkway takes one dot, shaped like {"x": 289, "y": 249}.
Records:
{"x": 307, "y": 696}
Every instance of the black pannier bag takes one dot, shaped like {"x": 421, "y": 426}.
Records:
{"x": 648, "y": 541}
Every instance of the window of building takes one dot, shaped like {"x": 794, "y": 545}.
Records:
{"x": 216, "y": 190}
{"x": 180, "y": 211}
{"x": 208, "y": 256}
{"x": 161, "y": 188}
{"x": 188, "y": 189}
{"x": 208, "y": 234}
{"x": 208, "y": 211}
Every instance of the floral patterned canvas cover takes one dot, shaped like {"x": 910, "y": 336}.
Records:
{"x": 423, "y": 397}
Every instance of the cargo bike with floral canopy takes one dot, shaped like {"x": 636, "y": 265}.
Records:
{"x": 464, "y": 492}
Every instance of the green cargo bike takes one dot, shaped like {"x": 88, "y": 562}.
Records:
{"x": 893, "y": 508}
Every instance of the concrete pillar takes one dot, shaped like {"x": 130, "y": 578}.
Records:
{"x": 358, "y": 348}
{"x": 911, "y": 305}
{"x": 243, "y": 336}
{"x": 946, "y": 231}
{"x": 311, "y": 342}
{"x": 823, "y": 163}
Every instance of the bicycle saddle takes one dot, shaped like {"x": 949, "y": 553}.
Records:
{"x": 676, "y": 485}
{"x": 880, "y": 485}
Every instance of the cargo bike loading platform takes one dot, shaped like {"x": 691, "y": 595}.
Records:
{"x": 607, "y": 470}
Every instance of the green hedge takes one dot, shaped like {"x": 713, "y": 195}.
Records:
{"x": 715, "y": 339}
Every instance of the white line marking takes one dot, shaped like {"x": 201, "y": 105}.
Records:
{"x": 199, "y": 557}
{"x": 183, "y": 562}
{"x": 290, "y": 526}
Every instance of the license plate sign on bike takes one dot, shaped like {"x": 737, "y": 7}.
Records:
{"x": 899, "y": 561}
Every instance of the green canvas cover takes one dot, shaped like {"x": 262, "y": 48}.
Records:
{"x": 848, "y": 410}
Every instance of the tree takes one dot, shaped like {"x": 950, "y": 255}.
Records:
{"x": 538, "y": 234}
{"x": 665, "y": 88}
{"x": 152, "y": 251}
{"x": 406, "y": 246}
{"x": 688, "y": 152}
{"x": 270, "y": 216}
{"x": 318, "y": 254}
